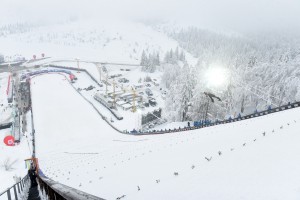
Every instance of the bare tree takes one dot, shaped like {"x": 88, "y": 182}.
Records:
{"x": 7, "y": 164}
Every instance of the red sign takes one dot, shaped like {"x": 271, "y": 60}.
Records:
{"x": 9, "y": 140}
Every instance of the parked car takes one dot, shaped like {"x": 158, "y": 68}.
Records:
{"x": 152, "y": 102}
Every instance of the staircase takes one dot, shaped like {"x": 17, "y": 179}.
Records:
{"x": 33, "y": 193}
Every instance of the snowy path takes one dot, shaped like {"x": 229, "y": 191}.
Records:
{"x": 77, "y": 148}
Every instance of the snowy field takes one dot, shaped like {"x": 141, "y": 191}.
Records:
{"x": 14, "y": 155}
{"x": 102, "y": 40}
{"x": 77, "y": 148}
{"x": 131, "y": 120}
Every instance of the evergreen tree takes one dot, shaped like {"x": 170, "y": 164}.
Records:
{"x": 144, "y": 59}
{"x": 1, "y": 58}
{"x": 157, "y": 59}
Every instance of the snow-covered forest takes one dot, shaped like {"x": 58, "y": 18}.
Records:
{"x": 263, "y": 70}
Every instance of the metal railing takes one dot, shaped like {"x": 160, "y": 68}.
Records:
{"x": 56, "y": 190}
{"x": 17, "y": 191}
{"x": 250, "y": 116}
{"x": 5, "y": 125}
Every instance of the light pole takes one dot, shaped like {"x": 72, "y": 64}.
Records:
{"x": 77, "y": 59}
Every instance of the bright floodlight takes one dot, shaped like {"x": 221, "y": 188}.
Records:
{"x": 216, "y": 76}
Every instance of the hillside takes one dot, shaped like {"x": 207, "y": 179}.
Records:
{"x": 103, "y": 40}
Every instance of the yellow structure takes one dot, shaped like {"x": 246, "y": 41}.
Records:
{"x": 133, "y": 102}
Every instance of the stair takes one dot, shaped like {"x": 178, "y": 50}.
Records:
{"x": 33, "y": 193}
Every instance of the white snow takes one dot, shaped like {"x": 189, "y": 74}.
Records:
{"x": 77, "y": 148}
{"x": 102, "y": 40}
{"x": 16, "y": 154}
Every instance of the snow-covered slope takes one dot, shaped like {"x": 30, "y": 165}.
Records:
{"x": 102, "y": 40}
{"x": 259, "y": 157}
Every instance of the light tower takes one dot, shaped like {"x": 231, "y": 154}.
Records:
{"x": 106, "y": 83}
{"x": 99, "y": 70}
{"x": 77, "y": 65}
{"x": 114, "y": 93}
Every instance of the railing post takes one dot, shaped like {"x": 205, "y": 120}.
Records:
{"x": 15, "y": 191}
{"x": 21, "y": 185}
{"x": 8, "y": 194}
{"x": 18, "y": 188}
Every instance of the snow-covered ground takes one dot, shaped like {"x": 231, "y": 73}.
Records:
{"x": 102, "y": 40}
{"x": 76, "y": 147}
{"x": 16, "y": 155}
{"x": 131, "y": 120}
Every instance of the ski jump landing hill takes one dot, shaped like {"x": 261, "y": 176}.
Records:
{"x": 255, "y": 158}
{"x": 230, "y": 160}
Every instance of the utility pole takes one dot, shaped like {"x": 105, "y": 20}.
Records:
{"x": 77, "y": 65}
{"x": 106, "y": 83}
{"x": 99, "y": 70}
{"x": 114, "y": 93}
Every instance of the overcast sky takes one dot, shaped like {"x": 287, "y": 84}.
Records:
{"x": 237, "y": 15}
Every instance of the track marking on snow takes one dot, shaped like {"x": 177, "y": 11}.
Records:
{"x": 80, "y": 153}
{"x": 130, "y": 140}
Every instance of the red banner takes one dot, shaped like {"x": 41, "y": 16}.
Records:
{"x": 9, "y": 140}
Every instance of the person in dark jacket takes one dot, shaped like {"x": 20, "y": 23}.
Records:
{"x": 32, "y": 176}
